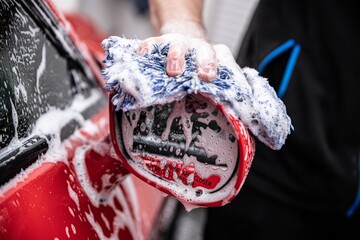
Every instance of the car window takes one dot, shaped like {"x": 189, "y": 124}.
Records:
{"x": 39, "y": 68}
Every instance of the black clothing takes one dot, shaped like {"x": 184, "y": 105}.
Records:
{"x": 254, "y": 216}
{"x": 309, "y": 52}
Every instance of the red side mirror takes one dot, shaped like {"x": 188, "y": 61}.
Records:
{"x": 192, "y": 149}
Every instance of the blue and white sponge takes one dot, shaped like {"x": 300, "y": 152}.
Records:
{"x": 141, "y": 81}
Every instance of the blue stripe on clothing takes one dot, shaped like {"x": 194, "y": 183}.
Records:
{"x": 356, "y": 203}
{"x": 283, "y": 86}
{"x": 288, "y": 71}
{"x": 289, "y": 66}
{"x": 274, "y": 53}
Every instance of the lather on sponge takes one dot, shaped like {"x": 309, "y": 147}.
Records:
{"x": 141, "y": 81}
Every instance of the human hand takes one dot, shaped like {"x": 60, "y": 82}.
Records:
{"x": 180, "y": 44}
{"x": 180, "y": 23}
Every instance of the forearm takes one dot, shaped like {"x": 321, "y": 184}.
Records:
{"x": 180, "y": 16}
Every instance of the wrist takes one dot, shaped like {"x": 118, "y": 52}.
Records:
{"x": 186, "y": 27}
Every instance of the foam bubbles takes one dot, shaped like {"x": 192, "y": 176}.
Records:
{"x": 141, "y": 81}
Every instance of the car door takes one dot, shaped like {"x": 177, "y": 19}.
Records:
{"x": 58, "y": 177}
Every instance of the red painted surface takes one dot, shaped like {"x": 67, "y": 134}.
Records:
{"x": 41, "y": 208}
{"x": 177, "y": 168}
{"x": 246, "y": 146}
{"x": 51, "y": 200}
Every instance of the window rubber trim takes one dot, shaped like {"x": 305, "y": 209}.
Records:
{"x": 15, "y": 160}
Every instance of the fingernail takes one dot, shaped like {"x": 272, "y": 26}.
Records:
{"x": 207, "y": 72}
{"x": 173, "y": 67}
{"x": 142, "y": 51}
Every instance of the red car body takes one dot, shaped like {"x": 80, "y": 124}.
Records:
{"x": 69, "y": 184}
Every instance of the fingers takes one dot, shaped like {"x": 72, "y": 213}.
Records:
{"x": 179, "y": 46}
{"x": 147, "y": 45}
{"x": 206, "y": 62}
{"x": 175, "y": 61}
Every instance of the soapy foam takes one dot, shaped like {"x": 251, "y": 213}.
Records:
{"x": 41, "y": 68}
{"x": 213, "y": 142}
{"x": 141, "y": 81}
{"x": 50, "y": 124}
{"x": 123, "y": 218}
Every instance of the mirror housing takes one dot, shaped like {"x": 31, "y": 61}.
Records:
{"x": 193, "y": 149}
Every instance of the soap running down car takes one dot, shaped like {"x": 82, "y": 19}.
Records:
{"x": 58, "y": 177}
